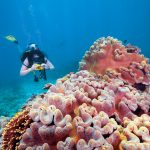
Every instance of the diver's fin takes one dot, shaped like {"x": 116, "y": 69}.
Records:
{"x": 11, "y": 38}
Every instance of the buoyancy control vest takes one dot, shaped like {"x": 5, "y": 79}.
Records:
{"x": 34, "y": 57}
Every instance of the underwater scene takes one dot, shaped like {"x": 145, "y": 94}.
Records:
{"x": 75, "y": 75}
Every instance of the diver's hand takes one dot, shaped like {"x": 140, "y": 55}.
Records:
{"x": 47, "y": 66}
{"x": 33, "y": 67}
{"x": 44, "y": 65}
{"x": 52, "y": 67}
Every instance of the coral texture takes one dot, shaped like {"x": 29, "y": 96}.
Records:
{"x": 105, "y": 107}
{"x": 108, "y": 55}
{"x": 3, "y": 121}
{"x": 14, "y": 130}
{"x": 137, "y": 133}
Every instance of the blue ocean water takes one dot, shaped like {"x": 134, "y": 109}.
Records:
{"x": 64, "y": 30}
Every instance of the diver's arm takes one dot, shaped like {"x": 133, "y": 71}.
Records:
{"x": 24, "y": 69}
{"x": 48, "y": 64}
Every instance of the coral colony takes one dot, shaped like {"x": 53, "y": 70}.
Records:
{"x": 103, "y": 106}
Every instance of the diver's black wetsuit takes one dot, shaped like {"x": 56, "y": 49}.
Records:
{"x": 35, "y": 57}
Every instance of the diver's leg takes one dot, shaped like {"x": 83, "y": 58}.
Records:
{"x": 40, "y": 74}
{"x": 36, "y": 78}
{"x": 44, "y": 75}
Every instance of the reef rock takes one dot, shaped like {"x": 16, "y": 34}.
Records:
{"x": 104, "y": 106}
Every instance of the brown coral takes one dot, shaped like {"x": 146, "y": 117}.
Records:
{"x": 14, "y": 130}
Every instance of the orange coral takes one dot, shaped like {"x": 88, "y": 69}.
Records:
{"x": 14, "y": 130}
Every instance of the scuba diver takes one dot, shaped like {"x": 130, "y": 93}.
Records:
{"x": 33, "y": 60}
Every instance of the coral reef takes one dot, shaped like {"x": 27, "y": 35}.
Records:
{"x": 104, "y": 106}
{"x": 3, "y": 121}
{"x": 137, "y": 133}
{"x": 109, "y": 56}
{"x": 14, "y": 129}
